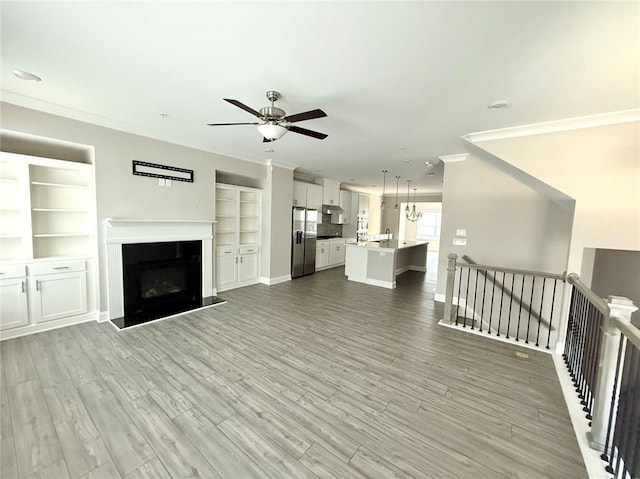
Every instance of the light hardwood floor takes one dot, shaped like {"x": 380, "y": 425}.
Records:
{"x": 318, "y": 377}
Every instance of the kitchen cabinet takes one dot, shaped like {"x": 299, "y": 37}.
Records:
{"x": 308, "y": 195}
{"x": 13, "y": 297}
{"x": 238, "y": 211}
{"x": 336, "y": 252}
{"x": 299, "y": 194}
{"x": 322, "y": 254}
{"x": 345, "y": 204}
{"x": 363, "y": 204}
{"x": 330, "y": 192}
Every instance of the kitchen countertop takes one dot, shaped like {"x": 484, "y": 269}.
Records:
{"x": 392, "y": 245}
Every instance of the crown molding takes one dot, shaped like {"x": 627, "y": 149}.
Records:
{"x": 105, "y": 122}
{"x": 453, "y": 158}
{"x": 568, "y": 124}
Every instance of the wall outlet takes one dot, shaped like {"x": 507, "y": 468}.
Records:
{"x": 462, "y": 232}
{"x": 460, "y": 241}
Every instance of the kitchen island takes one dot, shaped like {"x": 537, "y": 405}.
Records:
{"x": 378, "y": 263}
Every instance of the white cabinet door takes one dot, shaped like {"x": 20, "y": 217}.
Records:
{"x": 55, "y": 296}
{"x": 363, "y": 204}
{"x": 248, "y": 268}
{"x": 336, "y": 254}
{"x": 13, "y": 303}
{"x": 345, "y": 204}
{"x": 314, "y": 197}
{"x": 226, "y": 270}
{"x": 322, "y": 256}
{"x": 299, "y": 194}
{"x": 331, "y": 192}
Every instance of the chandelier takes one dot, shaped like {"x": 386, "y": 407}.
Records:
{"x": 411, "y": 214}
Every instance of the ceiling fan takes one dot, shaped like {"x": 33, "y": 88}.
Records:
{"x": 275, "y": 122}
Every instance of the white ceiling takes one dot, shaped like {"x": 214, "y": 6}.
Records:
{"x": 399, "y": 80}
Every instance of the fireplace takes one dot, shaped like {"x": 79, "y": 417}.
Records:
{"x": 163, "y": 267}
{"x": 160, "y": 279}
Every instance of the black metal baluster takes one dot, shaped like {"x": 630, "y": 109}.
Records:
{"x": 500, "y": 312}
{"x": 607, "y": 455}
{"x": 513, "y": 279}
{"x": 533, "y": 287}
{"x": 493, "y": 292}
{"x": 632, "y": 454}
{"x": 459, "y": 290}
{"x": 579, "y": 336}
{"x": 581, "y": 344}
{"x": 544, "y": 284}
{"x": 484, "y": 292}
{"x": 466, "y": 298}
{"x": 520, "y": 312}
{"x": 575, "y": 331}
{"x": 475, "y": 295}
{"x": 553, "y": 299}
{"x": 589, "y": 361}
{"x": 624, "y": 421}
{"x": 568, "y": 341}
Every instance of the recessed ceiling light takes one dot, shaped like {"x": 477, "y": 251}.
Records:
{"x": 408, "y": 161}
{"x": 319, "y": 171}
{"x": 430, "y": 174}
{"x": 352, "y": 179}
{"x": 499, "y": 105}
{"x": 428, "y": 163}
{"x": 269, "y": 150}
{"x": 403, "y": 147}
{"x": 24, "y": 75}
{"x": 164, "y": 115}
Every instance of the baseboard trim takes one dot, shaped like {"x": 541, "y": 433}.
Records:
{"x": 276, "y": 280}
{"x": 48, "y": 326}
{"x": 440, "y": 298}
{"x": 103, "y": 316}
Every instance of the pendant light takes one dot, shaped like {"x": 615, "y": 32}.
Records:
{"x": 395, "y": 207}
{"x": 384, "y": 185}
{"x": 412, "y": 215}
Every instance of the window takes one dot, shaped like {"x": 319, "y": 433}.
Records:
{"x": 429, "y": 225}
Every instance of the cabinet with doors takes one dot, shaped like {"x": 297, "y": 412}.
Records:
{"x": 330, "y": 253}
{"x": 330, "y": 192}
{"x": 47, "y": 243}
{"x": 237, "y": 236}
{"x": 308, "y": 195}
{"x": 345, "y": 204}
{"x": 322, "y": 254}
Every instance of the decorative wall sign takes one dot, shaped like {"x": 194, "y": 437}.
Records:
{"x": 154, "y": 170}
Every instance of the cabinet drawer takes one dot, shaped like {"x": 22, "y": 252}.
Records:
{"x": 12, "y": 271}
{"x": 57, "y": 267}
{"x": 226, "y": 250}
{"x": 322, "y": 244}
{"x": 248, "y": 249}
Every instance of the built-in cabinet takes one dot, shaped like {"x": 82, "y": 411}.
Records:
{"x": 308, "y": 195}
{"x": 237, "y": 236}
{"x": 47, "y": 243}
{"x": 330, "y": 253}
{"x": 345, "y": 204}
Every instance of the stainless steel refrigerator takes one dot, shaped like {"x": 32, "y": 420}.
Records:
{"x": 303, "y": 244}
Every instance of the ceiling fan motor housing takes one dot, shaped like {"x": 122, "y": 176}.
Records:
{"x": 272, "y": 113}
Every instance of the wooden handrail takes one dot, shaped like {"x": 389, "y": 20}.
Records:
{"x": 596, "y": 300}
{"x": 474, "y": 265}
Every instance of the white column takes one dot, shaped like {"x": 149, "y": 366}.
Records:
{"x": 621, "y": 308}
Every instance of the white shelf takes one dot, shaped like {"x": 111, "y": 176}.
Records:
{"x": 58, "y": 210}
{"x": 249, "y": 231}
{"x": 10, "y": 236}
{"x": 249, "y": 216}
{"x": 225, "y": 216}
{"x": 59, "y": 185}
{"x": 59, "y": 235}
{"x": 224, "y": 199}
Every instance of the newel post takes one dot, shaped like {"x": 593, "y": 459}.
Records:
{"x": 621, "y": 308}
{"x": 451, "y": 276}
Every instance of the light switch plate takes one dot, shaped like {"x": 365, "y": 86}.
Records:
{"x": 167, "y": 182}
{"x": 460, "y": 241}
{"x": 161, "y": 181}
{"x": 461, "y": 232}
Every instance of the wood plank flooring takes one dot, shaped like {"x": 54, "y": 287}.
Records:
{"x": 318, "y": 377}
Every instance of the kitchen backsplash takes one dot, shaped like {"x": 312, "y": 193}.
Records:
{"x": 327, "y": 229}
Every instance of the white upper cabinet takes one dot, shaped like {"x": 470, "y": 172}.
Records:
{"x": 299, "y": 194}
{"x": 345, "y": 204}
{"x": 314, "y": 198}
{"x": 330, "y": 192}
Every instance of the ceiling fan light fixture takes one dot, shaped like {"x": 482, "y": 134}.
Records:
{"x": 272, "y": 131}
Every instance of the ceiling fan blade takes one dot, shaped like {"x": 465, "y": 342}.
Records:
{"x": 307, "y": 115}
{"x": 243, "y": 106}
{"x": 229, "y": 124}
{"x": 304, "y": 131}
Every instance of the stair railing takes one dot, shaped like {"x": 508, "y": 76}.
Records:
{"x": 504, "y": 302}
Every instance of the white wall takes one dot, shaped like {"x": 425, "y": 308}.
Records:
{"x": 391, "y": 218}
{"x": 123, "y": 195}
{"x": 599, "y": 168}
{"x": 508, "y": 223}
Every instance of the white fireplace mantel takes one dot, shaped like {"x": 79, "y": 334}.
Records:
{"x": 130, "y": 231}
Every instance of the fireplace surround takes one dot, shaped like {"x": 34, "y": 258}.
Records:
{"x": 157, "y": 268}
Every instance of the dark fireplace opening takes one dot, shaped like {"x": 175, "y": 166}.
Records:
{"x": 160, "y": 279}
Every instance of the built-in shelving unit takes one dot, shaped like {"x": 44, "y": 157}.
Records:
{"x": 48, "y": 244}
{"x": 237, "y": 235}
